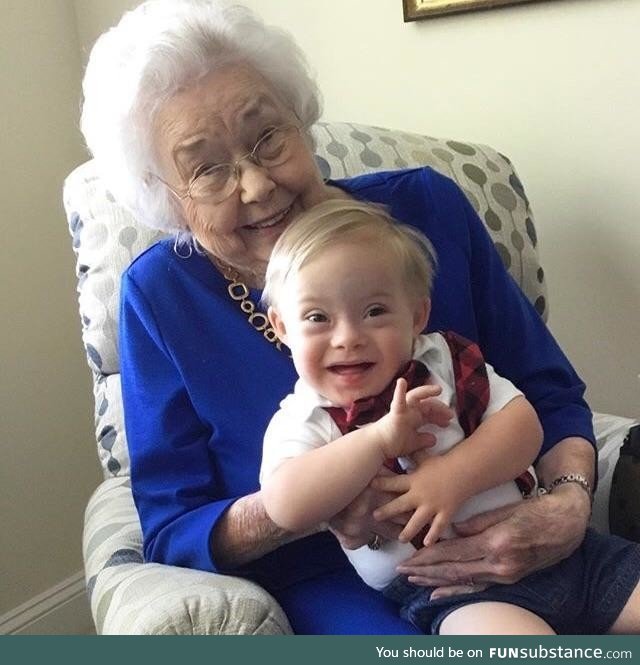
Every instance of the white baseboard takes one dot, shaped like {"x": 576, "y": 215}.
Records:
{"x": 61, "y": 610}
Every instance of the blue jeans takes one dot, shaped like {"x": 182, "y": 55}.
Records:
{"x": 582, "y": 595}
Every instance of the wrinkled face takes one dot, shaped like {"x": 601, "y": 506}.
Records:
{"x": 218, "y": 120}
{"x": 349, "y": 320}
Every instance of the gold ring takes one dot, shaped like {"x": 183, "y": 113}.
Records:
{"x": 375, "y": 542}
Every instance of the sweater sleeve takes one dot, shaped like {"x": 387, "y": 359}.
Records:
{"x": 175, "y": 491}
{"x": 515, "y": 340}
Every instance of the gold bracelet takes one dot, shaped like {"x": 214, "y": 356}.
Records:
{"x": 577, "y": 478}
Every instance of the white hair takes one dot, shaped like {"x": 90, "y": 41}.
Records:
{"x": 157, "y": 48}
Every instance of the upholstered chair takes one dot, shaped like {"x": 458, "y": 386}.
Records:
{"x": 129, "y": 596}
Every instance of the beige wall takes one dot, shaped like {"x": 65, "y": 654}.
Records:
{"x": 554, "y": 85}
{"x": 48, "y": 465}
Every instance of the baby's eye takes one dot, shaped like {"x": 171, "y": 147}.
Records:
{"x": 316, "y": 317}
{"x": 376, "y": 310}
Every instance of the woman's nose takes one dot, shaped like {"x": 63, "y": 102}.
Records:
{"x": 254, "y": 182}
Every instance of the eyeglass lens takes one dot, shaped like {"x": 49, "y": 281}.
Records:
{"x": 220, "y": 181}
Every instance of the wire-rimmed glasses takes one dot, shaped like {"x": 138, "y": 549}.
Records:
{"x": 217, "y": 182}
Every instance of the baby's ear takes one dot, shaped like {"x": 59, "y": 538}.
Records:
{"x": 421, "y": 315}
{"x": 277, "y": 324}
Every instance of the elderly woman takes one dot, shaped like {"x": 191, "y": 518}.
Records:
{"x": 199, "y": 117}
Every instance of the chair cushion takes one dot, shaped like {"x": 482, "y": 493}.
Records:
{"x": 487, "y": 178}
{"x": 132, "y": 598}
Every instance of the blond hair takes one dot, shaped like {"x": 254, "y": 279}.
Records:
{"x": 345, "y": 220}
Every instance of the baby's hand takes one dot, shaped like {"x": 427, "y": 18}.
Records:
{"x": 398, "y": 429}
{"x": 428, "y": 494}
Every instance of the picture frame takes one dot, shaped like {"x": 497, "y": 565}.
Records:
{"x": 416, "y": 10}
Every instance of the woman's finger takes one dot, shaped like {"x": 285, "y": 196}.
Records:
{"x": 481, "y": 522}
{"x": 453, "y": 590}
{"x": 388, "y": 530}
{"x": 450, "y": 574}
{"x": 445, "y": 555}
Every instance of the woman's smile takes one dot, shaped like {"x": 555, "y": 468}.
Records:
{"x": 268, "y": 222}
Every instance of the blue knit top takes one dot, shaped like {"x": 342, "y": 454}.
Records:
{"x": 200, "y": 384}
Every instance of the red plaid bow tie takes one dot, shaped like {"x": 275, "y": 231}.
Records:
{"x": 370, "y": 409}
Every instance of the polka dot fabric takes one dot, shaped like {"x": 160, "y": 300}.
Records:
{"x": 487, "y": 178}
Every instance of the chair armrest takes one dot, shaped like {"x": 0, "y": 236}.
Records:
{"x": 129, "y": 597}
{"x": 610, "y": 432}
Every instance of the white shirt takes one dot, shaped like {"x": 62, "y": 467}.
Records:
{"x": 302, "y": 424}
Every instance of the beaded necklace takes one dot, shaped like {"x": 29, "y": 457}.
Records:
{"x": 239, "y": 292}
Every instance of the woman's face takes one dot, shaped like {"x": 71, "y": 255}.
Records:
{"x": 218, "y": 120}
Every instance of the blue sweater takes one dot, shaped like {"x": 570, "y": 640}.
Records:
{"x": 200, "y": 384}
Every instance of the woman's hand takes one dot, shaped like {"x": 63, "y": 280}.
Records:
{"x": 355, "y": 526}
{"x": 504, "y": 545}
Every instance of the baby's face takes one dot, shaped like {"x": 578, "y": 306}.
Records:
{"x": 349, "y": 320}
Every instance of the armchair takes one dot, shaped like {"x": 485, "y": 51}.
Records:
{"x": 129, "y": 596}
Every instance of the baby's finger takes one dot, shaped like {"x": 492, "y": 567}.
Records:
{"x": 416, "y": 523}
{"x": 419, "y": 441}
{"x": 395, "y": 507}
{"x": 425, "y": 440}
{"x": 416, "y": 395}
{"x": 436, "y": 412}
{"x": 399, "y": 400}
{"x": 438, "y": 525}
{"x": 394, "y": 484}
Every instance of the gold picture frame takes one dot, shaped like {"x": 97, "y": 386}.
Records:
{"x": 416, "y": 10}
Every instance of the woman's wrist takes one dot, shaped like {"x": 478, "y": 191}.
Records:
{"x": 575, "y": 499}
{"x": 572, "y": 455}
{"x": 579, "y": 479}
{"x": 245, "y": 533}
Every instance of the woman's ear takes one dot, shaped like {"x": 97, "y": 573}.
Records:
{"x": 421, "y": 315}
{"x": 277, "y": 324}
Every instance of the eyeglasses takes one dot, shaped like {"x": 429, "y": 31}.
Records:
{"x": 217, "y": 182}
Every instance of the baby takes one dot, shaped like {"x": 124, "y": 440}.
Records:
{"x": 348, "y": 292}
